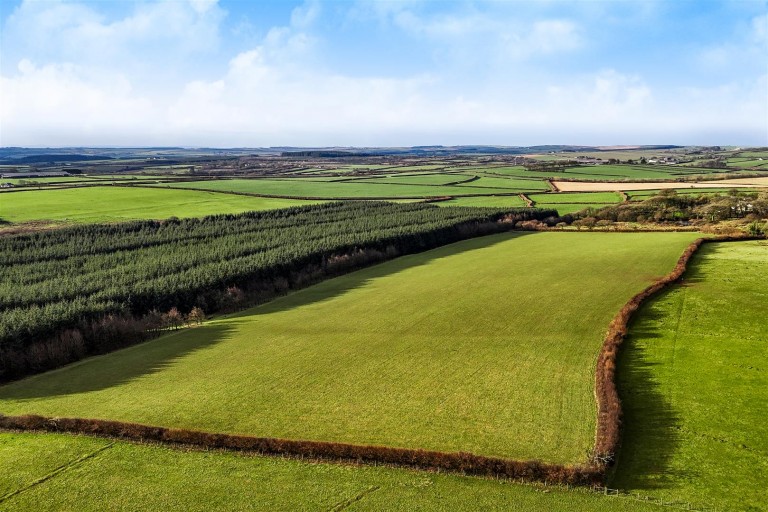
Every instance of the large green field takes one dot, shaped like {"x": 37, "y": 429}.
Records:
{"x": 627, "y": 172}
{"x": 486, "y": 346}
{"x": 486, "y": 201}
{"x": 568, "y": 202}
{"x": 104, "y": 204}
{"x": 576, "y": 197}
{"x": 639, "y": 195}
{"x": 48, "y": 472}
{"x": 695, "y": 387}
{"x": 358, "y": 188}
{"x": 416, "y": 179}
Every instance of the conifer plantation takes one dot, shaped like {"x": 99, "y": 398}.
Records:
{"x": 89, "y": 289}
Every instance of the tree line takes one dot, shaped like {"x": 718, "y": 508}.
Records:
{"x": 68, "y": 293}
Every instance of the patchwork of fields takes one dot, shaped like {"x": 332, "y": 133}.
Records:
{"x": 159, "y": 196}
{"x": 487, "y": 346}
{"x": 104, "y": 204}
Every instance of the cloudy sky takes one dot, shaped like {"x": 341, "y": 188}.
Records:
{"x": 365, "y": 73}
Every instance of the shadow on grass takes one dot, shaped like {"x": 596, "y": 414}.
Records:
{"x": 336, "y": 286}
{"x": 119, "y": 367}
{"x": 651, "y": 425}
{"x": 123, "y": 366}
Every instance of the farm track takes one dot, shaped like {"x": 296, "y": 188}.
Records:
{"x": 56, "y": 472}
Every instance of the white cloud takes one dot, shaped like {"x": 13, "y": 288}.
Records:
{"x": 303, "y": 16}
{"x": 63, "y": 104}
{"x": 747, "y": 48}
{"x": 276, "y": 93}
{"x": 58, "y": 31}
{"x": 545, "y": 38}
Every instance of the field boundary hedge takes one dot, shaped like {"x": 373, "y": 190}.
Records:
{"x": 455, "y": 462}
{"x": 609, "y": 415}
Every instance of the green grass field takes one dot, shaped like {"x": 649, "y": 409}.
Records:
{"x": 419, "y": 179}
{"x": 746, "y": 162}
{"x": 507, "y": 183}
{"x": 694, "y": 385}
{"x": 483, "y": 346}
{"x": 576, "y": 197}
{"x": 568, "y": 202}
{"x": 639, "y": 195}
{"x": 343, "y": 189}
{"x": 488, "y": 201}
{"x": 89, "y": 474}
{"x": 627, "y": 172}
{"x": 566, "y": 208}
{"x": 105, "y": 204}
{"x": 515, "y": 170}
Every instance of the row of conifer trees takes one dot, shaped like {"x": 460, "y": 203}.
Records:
{"x": 72, "y": 292}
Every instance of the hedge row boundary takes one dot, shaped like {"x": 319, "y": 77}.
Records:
{"x": 455, "y": 462}
{"x": 609, "y": 412}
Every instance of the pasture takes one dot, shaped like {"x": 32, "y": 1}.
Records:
{"x": 417, "y": 179}
{"x": 485, "y": 201}
{"x": 693, "y": 382}
{"x": 483, "y": 346}
{"x": 625, "y": 172}
{"x": 49, "y": 472}
{"x": 572, "y": 202}
{"x": 360, "y": 188}
{"x": 639, "y": 195}
{"x": 607, "y": 186}
{"x": 109, "y": 204}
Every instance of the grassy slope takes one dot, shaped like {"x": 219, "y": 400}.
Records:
{"x": 99, "y": 204}
{"x": 132, "y": 477}
{"x": 356, "y": 188}
{"x": 483, "y": 346}
{"x": 695, "y": 386}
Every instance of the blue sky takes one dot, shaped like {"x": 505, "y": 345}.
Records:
{"x": 364, "y": 73}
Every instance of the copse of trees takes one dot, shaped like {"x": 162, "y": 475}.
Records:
{"x": 669, "y": 206}
{"x": 72, "y": 292}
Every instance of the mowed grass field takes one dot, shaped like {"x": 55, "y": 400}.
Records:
{"x": 105, "y": 204}
{"x": 486, "y": 346}
{"x": 694, "y": 382}
{"x": 48, "y": 472}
